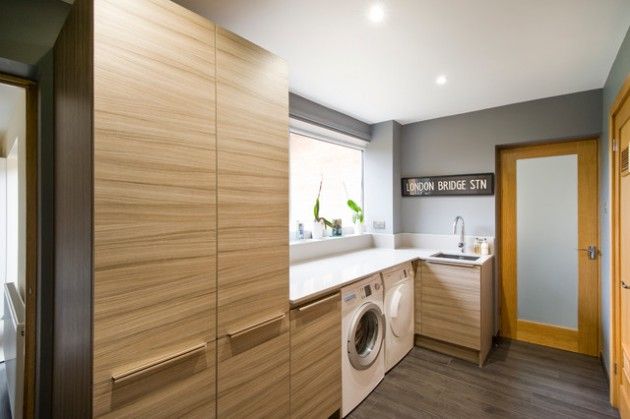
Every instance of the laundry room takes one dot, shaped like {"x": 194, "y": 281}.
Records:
{"x": 314, "y": 209}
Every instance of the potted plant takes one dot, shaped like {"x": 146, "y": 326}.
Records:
{"x": 357, "y": 217}
{"x": 319, "y": 223}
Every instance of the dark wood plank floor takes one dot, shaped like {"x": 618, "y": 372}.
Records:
{"x": 519, "y": 380}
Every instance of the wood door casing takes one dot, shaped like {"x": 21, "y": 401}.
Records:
{"x": 253, "y": 184}
{"x": 154, "y": 207}
{"x": 586, "y": 338}
{"x": 316, "y": 358}
{"x": 620, "y": 265}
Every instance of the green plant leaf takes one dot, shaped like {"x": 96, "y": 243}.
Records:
{"x": 353, "y": 206}
{"x": 316, "y": 209}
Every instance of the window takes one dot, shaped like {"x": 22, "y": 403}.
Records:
{"x": 341, "y": 170}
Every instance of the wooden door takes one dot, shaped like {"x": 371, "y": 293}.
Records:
{"x": 253, "y": 250}
{"x": 620, "y": 278}
{"x": 154, "y": 211}
{"x": 316, "y": 358}
{"x": 583, "y": 334}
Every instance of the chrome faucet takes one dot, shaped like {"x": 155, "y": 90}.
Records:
{"x": 461, "y": 233}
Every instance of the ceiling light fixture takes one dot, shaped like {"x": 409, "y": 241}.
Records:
{"x": 376, "y": 13}
{"x": 441, "y": 80}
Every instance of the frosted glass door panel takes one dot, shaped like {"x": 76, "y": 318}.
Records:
{"x": 547, "y": 238}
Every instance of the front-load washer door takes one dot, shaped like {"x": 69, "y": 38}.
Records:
{"x": 400, "y": 309}
{"x": 366, "y": 336}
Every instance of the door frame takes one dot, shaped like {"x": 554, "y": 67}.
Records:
{"x": 615, "y": 260}
{"x": 504, "y": 319}
{"x": 32, "y": 227}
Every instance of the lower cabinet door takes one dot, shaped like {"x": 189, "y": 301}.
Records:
{"x": 253, "y": 371}
{"x": 451, "y": 304}
{"x": 177, "y": 383}
{"x": 316, "y": 358}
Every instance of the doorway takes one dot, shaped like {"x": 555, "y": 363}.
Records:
{"x": 18, "y": 244}
{"x": 620, "y": 263}
{"x": 548, "y": 226}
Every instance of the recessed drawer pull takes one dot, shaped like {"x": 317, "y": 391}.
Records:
{"x": 463, "y": 265}
{"x": 254, "y": 326}
{"x": 158, "y": 363}
{"x": 318, "y": 302}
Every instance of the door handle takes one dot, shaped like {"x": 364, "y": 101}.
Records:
{"x": 592, "y": 252}
{"x": 624, "y": 285}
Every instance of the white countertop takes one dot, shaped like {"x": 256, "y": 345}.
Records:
{"x": 317, "y": 277}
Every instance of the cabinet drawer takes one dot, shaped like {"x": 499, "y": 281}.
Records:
{"x": 316, "y": 358}
{"x": 451, "y": 304}
{"x": 253, "y": 372}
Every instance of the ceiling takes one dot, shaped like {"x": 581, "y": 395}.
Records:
{"x": 9, "y": 98}
{"x": 29, "y": 28}
{"x": 493, "y": 52}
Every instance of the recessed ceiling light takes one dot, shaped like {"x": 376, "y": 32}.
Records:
{"x": 441, "y": 80}
{"x": 376, "y": 13}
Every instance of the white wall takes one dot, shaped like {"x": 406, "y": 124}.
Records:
{"x": 15, "y": 137}
{"x": 3, "y": 229}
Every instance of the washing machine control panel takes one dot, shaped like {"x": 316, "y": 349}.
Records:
{"x": 361, "y": 292}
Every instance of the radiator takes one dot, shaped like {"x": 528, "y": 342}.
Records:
{"x": 14, "y": 347}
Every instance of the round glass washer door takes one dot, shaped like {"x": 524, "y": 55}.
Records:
{"x": 366, "y": 336}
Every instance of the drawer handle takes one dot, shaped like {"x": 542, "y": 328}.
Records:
{"x": 254, "y": 326}
{"x": 318, "y": 302}
{"x": 463, "y": 265}
{"x": 158, "y": 363}
{"x": 404, "y": 273}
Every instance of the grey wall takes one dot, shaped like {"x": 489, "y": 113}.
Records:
{"x": 309, "y": 111}
{"x": 466, "y": 144}
{"x": 382, "y": 178}
{"x": 619, "y": 71}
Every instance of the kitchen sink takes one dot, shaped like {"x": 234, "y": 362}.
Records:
{"x": 455, "y": 257}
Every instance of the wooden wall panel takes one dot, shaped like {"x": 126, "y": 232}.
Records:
{"x": 154, "y": 207}
{"x": 253, "y": 184}
{"x": 72, "y": 342}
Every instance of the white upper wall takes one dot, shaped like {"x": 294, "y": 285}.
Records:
{"x": 494, "y": 52}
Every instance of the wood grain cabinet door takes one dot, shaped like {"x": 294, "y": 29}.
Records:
{"x": 451, "y": 304}
{"x": 154, "y": 211}
{"x": 417, "y": 289}
{"x": 316, "y": 358}
{"x": 253, "y": 184}
{"x": 253, "y": 372}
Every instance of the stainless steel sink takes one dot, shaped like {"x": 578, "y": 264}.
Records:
{"x": 455, "y": 257}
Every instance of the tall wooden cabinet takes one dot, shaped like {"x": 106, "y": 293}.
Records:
{"x": 171, "y": 289}
{"x": 253, "y": 249}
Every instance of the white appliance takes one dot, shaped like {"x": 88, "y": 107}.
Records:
{"x": 362, "y": 334}
{"x": 14, "y": 347}
{"x": 399, "y": 315}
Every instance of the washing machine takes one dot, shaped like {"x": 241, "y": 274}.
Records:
{"x": 362, "y": 336}
{"x": 399, "y": 313}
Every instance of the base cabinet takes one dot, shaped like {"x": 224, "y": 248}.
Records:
{"x": 456, "y": 309}
{"x": 316, "y": 358}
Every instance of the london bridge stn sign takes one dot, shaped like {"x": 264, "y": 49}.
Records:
{"x": 454, "y": 185}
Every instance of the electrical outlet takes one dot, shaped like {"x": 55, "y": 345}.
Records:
{"x": 378, "y": 225}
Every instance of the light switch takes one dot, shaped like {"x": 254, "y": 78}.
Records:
{"x": 378, "y": 225}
